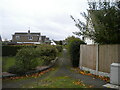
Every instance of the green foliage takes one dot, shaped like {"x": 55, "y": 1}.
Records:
{"x": 106, "y": 24}
{"x": 69, "y": 39}
{"x": 25, "y": 60}
{"x": 11, "y": 50}
{"x": 8, "y": 50}
{"x": 105, "y": 17}
{"x": 15, "y": 70}
{"x": 74, "y": 50}
{"x": 47, "y": 53}
{"x": 59, "y": 48}
{"x": 29, "y": 58}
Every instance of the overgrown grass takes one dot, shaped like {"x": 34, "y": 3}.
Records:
{"x": 7, "y": 62}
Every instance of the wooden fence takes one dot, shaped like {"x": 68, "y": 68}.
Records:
{"x": 99, "y": 57}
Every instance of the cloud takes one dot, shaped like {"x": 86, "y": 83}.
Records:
{"x": 50, "y": 17}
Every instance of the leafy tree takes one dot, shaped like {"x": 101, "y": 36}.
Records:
{"x": 69, "y": 39}
{"x": 105, "y": 17}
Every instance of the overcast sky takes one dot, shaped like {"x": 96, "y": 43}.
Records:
{"x": 50, "y": 17}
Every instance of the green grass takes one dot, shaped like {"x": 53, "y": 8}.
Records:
{"x": 7, "y": 62}
{"x": 59, "y": 82}
{"x": 52, "y": 81}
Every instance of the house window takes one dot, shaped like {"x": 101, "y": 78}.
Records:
{"x": 17, "y": 37}
{"x": 30, "y": 37}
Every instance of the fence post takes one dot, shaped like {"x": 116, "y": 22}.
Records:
{"x": 97, "y": 58}
{"x": 0, "y": 64}
{"x": 80, "y": 61}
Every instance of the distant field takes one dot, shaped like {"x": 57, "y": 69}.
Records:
{"x": 7, "y": 62}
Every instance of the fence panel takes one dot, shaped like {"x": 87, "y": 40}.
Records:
{"x": 88, "y": 57}
{"x": 108, "y": 54}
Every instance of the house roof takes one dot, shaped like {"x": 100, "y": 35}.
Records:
{"x": 27, "y": 33}
{"x": 22, "y": 34}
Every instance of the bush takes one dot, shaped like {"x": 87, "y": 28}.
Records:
{"x": 29, "y": 58}
{"x": 59, "y": 48}
{"x": 74, "y": 51}
{"x": 16, "y": 70}
{"x": 25, "y": 61}
{"x": 46, "y": 53}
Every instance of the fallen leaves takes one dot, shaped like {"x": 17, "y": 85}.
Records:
{"x": 82, "y": 84}
{"x": 27, "y": 76}
{"x": 107, "y": 79}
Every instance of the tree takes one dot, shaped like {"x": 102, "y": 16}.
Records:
{"x": 105, "y": 17}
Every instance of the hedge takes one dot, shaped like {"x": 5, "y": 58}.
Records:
{"x": 74, "y": 51}
{"x": 59, "y": 48}
{"x": 11, "y": 50}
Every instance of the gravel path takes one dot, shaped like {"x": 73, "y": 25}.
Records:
{"x": 63, "y": 69}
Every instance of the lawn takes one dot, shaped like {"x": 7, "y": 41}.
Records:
{"x": 7, "y": 62}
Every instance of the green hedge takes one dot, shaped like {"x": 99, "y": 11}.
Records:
{"x": 46, "y": 53}
{"x": 74, "y": 51}
{"x": 59, "y": 48}
{"x": 11, "y": 50}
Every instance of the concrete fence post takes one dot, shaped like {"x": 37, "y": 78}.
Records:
{"x": 80, "y": 61}
{"x": 97, "y": 58}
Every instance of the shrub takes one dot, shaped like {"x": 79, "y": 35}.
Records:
{"x": 29, "y": 58}
{"x": 26, "y": 57}
{"x": 46, "y": 53}
{"x": 59, "y": 48}
{"x": 25, "y": 61}
{"x": 74, "y": 51}
{"x": 16, "y": 70}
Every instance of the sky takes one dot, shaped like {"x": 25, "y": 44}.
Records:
{"x": 49, "y": 17}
